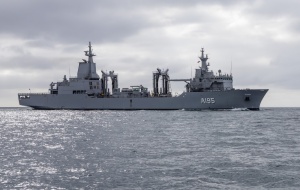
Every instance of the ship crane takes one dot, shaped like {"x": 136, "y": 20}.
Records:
{"x": 104, "y": 81}
{"x": 165, "y": 90}
{"x": 165, "y": 82}
{"x": 156, "y": 76}
{"x": 114, "y": 80}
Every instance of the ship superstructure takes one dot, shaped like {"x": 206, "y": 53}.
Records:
{"x": 205, "y": 80}
{"x": 90, "y": 91}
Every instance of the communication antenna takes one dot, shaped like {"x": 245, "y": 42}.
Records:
{"x": 231, "y": 66}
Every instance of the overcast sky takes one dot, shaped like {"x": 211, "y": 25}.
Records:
{"x": 40, "y": 41}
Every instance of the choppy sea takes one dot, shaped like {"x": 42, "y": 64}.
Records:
{"x": 233, "y": 149}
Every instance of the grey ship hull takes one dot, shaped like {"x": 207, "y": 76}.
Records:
{"x": 249, "y": 98}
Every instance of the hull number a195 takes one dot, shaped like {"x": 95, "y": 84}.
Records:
{"x": 207, "y": 100}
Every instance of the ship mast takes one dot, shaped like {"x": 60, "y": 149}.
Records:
{"x": 203, "y": 61}
{"x": 90, "y": 54}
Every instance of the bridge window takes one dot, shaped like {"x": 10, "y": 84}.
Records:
{"x": 79, "y": 91}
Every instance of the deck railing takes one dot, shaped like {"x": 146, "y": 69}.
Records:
{"x": 28, "y": 94}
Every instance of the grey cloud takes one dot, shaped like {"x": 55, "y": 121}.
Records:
{"x": 69, "y": 21}
{"x": 271, "y": 11}
{"x": 281, "y": 71}
{"x": 29, "y": 63}
{"x": 274, "y": 8}
{"x": 189, "y": 3}
{"x": 21, "y": 81}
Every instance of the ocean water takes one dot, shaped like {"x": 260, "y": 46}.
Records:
{"x": 233, "y": 149}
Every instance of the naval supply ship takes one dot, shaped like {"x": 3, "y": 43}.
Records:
{"x": 89, "y": 91}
